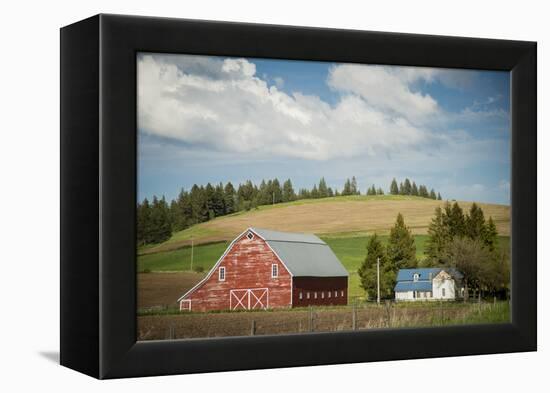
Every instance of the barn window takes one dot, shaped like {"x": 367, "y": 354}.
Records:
{"x": 329, "y": 293}
{"x": 335, "y": 293}
{"x": 307, "y": 295}
{"x": 315, "y": 295}
{"x": 342, "y": 293}
{"x": 274, "y": 270}
{"x": 221, "y": 274}
{"x": 300, "y": 296}
{"x": 250, "y": 235}
{"x": 322, "y": 295}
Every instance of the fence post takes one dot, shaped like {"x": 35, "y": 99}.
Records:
{"x": 354, "y": 316}
{"x": 388, "y": 312}
{"x": 253, "y": 328}
{"x": 441, "y": 310}
{"x": 310, "y": 319}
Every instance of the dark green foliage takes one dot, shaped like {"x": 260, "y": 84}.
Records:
{"x": 432, "y": 194}
{"x": 439, "y": 237}
{"x": 407, "y": 188}
{"x": 288, "y": 191}
{"x": 230, "y": 198}
{"x": 490, "y": 235}
{"x": 354, "y": 190}
{"x": 414, "y": 189}
{"x": 474, "y": 223}
{"x": 401, "y": 250}
{"x": 438, "y": 196}
{"x": 379, "y": 191}
{"x": 368, "y": 270}
{"x": 347, "y": 188}
{"x": 323, "y": 189}
{"x": 394, "y": 190}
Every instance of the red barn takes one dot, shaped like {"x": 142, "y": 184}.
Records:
{"x": 266, "y": 269}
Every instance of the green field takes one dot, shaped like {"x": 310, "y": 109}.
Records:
{"x": 349, "y": 250}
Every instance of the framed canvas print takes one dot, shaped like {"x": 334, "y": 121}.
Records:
{"x": 296, "y": 196}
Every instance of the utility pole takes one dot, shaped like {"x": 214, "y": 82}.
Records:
{"x": 191, "y": 254}
{"x": 378, "y": 280}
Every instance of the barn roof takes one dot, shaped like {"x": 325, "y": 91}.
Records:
{"x": 304, "y": 255}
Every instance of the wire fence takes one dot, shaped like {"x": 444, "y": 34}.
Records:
{"x": 356, "y": 316}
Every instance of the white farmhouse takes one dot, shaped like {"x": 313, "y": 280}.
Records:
{"x": 428, "y": 284}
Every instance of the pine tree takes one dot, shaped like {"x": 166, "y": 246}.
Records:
{"x": 354, "y": 190}
{"x": 160, "y": 228}
{"x": 456, "y": 221}
{"x": 490, "y": 235}
{"x": 407, "y": 188}
{"x": 438, "y": 196}
{"x": 474, "y": 223}
{"x": 380, "y": 191}
{"x": 368, "y": 270}
{"x": 330, "y": 192}
{"x": 414, "y": 189}
{"x": 314, "y": 192}
{"x": 323, "y": 189}
{"x": 347, "y": 188}
{"x": 394, "y": 190}
{"x": 229, "y": 197}
{"x": 143, "y": 222}
{"x": 277, "y": 191}
{"x": 432, "y": 194}
{"x": 438, "y": 238}
{"x": 288, "y": 191}
{"x": 401, "y": 189}
{"x": 401, "y": 250}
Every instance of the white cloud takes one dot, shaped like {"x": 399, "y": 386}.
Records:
{"x": 223, "y": 104}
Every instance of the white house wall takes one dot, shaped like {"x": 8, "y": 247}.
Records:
{"x": 448, "y": 285}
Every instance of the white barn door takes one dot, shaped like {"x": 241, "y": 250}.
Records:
{"x": 249, "y": 299}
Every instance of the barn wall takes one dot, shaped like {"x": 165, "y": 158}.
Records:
{"x": 247, "y": 266}
{"x": 322, "y": 286}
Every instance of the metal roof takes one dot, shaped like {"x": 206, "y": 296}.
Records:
{"x": 405, "y": 286}
{"x": 304, "y": 255}
{"x": 423, "y": 274}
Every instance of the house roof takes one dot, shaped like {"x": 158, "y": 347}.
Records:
{"x": 304, "y": 255}
{"x": 405, "y": 278}
{"x": 424, "y": 274}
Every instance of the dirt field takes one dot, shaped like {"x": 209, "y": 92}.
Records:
{"x": 164, "y": 289}
{"x": 330, "y": 216}
{"x": 196, "y": 325}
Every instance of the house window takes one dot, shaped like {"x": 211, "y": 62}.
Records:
{"x": 221, "y": 274}
{"x": 300, "y": 296}
{"x": 329, "y": 293}
{"x": 274, "y": 270}
{"x": 307, "y": 295}
{"x": 250, "y": 235}
{"x": 443, "y": 292}
{"x": 315, "y": 295}
{"x": 415, "y": 277}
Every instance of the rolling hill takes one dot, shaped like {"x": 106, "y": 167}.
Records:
{"x": 349, "y": 216}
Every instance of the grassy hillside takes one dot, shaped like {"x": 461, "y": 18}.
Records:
{"x": 350, "y": 216}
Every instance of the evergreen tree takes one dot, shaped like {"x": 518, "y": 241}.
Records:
{"x": 394, "y": 190}
{"x": 401, "y": 250}
{"x": 432, "y": 194}
{"x": 143, "y": 222}
{"x": 330, "y": 192}
{"x": 401, "y": 189}
{"x": 490, "y": 235}
{"x": 288, "y": 191}
{"x": 323, "y": 189}
{"x": 229, "y": 198}
{"x": 380, "y": 191}
{"x": 354, "y": 190}
{"x": 438, "y": 196}
{"x": 160, "y": 229}
{"x": 407, "y": 188}
{"x": 368, "y": 270}
{"x": 456, "y": 221}
{"x": 414, "y": 189}
{"x": 314, "y": 192}
{"x": 347, "y": 188}
{"x": 209, "y": 193}
{"x": 438, "y": 238}
{"x": 277, "y": 191}
{"x": 474, "y": 223}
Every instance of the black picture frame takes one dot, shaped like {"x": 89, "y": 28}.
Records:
{"x": 98, "y": 195}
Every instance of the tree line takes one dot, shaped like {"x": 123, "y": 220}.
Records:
{"x": 156, "y": 219}
{"x": 465, "y": 242}
{"x": 408, "y": 188}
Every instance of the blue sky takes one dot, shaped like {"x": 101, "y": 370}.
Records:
{"x": 211, "y": 119}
